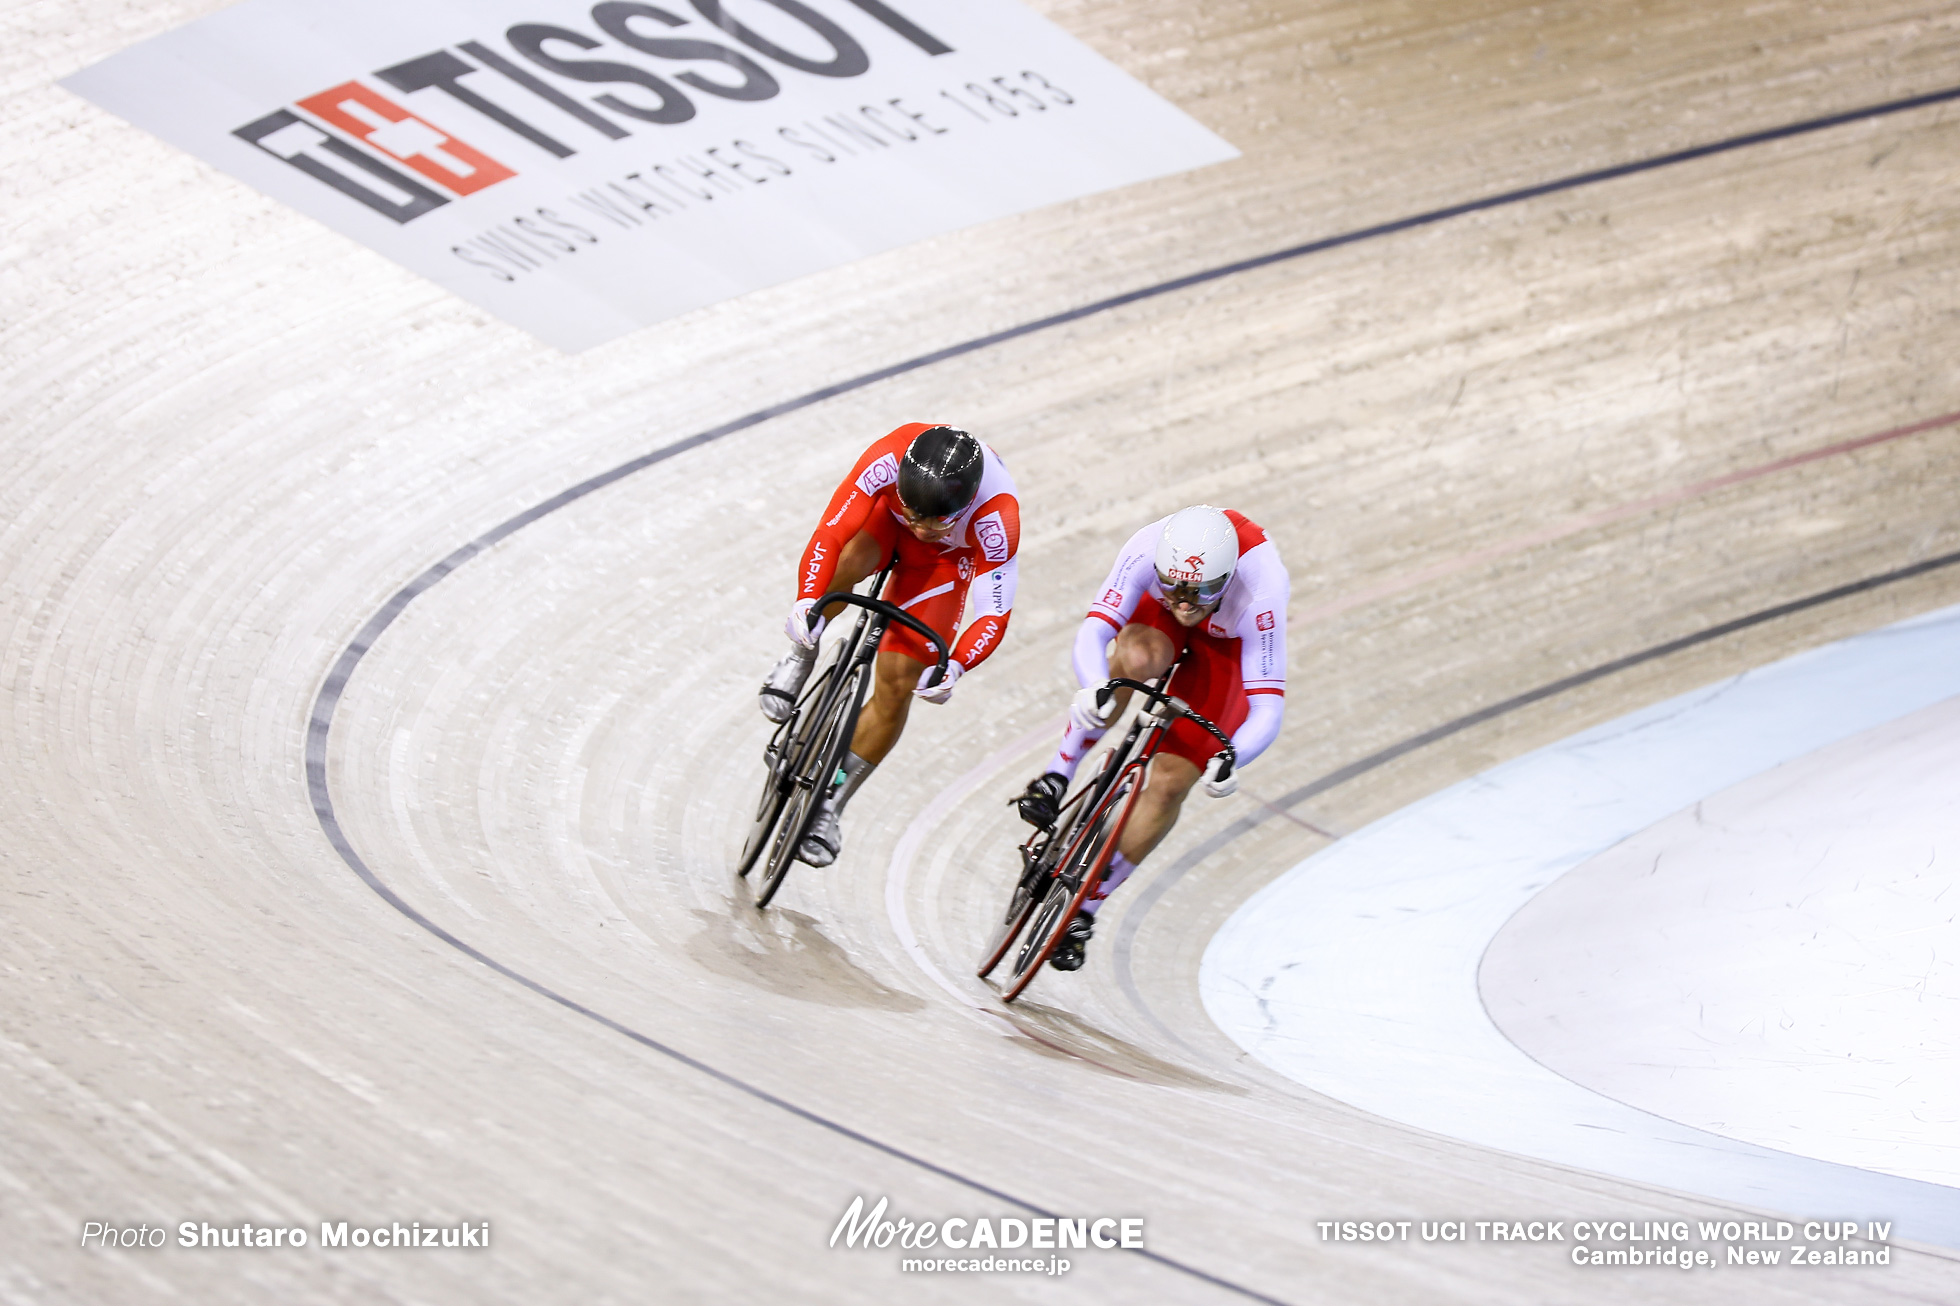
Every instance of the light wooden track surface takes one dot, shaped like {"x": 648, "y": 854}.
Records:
{"x": 231, "y": 436}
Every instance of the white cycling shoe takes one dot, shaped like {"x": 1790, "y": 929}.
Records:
{"x": 784, "y": 682}
{"x": 823, "y": 840}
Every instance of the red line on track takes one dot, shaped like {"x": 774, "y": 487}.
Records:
{"x": 1574, "y": 525}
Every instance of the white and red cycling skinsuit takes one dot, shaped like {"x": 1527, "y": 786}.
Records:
{"x": 1234, "y": 667}
{"x": 931, "y": 581}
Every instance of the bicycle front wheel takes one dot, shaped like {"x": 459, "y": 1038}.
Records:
{"x": 778, "y": 761}
{"x": 1076, "y": 876}
{"x": 812, "y": 768}
{"x": 1029, "y": 890}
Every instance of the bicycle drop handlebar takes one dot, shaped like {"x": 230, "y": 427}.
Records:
{"x": 1175, "y": 708}
{"x": 892, "y": 612}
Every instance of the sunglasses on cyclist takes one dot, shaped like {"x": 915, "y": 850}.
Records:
{"x": 1200, "y": 594}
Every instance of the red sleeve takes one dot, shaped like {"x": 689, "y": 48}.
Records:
{"x": 996, "y": 539}
{"x": 874, "y": 476}
{"x": 979, "y": 639}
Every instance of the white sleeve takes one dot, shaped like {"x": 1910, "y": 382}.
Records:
{"x": 1092, "y": 643}
{"x": 1263, "y": 713}
{"x": 1127, "y": 580}
{"x": 992, "y": 594}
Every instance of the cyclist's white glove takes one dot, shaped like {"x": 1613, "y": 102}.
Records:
{"x": 1220, "y": 786}
{"x": 798, "y": 625}
{"x": 942, "y": 691}
{"x": 1085, "y": 713}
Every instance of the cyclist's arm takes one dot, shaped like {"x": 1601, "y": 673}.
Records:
{"x": 996, "y": 534}
{"x": 1264, "y": 710}
{"x": 1091, "y": 657}
{"x": 1262, "y": 651}
{"x": 1121, "y": 591}
{"x": 992, "y": 600}
{"x": 848, "y": 511}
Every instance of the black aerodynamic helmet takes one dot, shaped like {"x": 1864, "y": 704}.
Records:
{"x": 940, "y": 473}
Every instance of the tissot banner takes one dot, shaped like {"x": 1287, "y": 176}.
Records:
{"x": 583, "y": 169}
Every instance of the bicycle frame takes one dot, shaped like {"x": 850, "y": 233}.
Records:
{"x": 807, "y": 748}
{"x": 1063, "y": 865}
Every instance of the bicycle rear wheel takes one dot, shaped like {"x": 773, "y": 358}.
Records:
{"x": 1075, "y": 878}
{"x": 811, "y": 771}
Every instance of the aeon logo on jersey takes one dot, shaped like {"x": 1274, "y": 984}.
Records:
{"x": 991, "y": 532}
{"x": 878, "y": 475}
{"x": 402, "y": 166}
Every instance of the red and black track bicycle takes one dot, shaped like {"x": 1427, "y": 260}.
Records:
{"x": 803, "y": 756}
{"x": 1061, "y": 866}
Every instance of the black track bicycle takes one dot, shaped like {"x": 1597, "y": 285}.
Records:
{"x": 1061, "y": 866}
{"x": 803, "y": 756}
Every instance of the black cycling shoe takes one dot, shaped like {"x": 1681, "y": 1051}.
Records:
{"x": 1072, "y": 951}
{"x": 1041, "y": 801}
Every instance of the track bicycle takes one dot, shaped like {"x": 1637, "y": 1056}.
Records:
{"x": 1061, "y": 866}
{"x": 803, "y": 756}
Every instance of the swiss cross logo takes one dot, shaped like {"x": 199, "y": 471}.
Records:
{"x": 394, "y": 131}
{"x": 372, "y": 149}
{"x": 1112, "y": 599}
{"x": 879, "y": 474}
{"x": 1265, "y": 620}
{"x": 385, "y": 128}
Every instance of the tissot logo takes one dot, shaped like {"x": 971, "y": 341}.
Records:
{"x": 584, "y": 168}
{"x": 511, "y": 95}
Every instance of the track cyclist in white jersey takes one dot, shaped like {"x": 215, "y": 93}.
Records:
{"x": 1206, "y": 584}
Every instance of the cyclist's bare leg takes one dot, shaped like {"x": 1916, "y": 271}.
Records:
{"x": 1139, "y": 653}
{"x": 883, "y": 718}
{"x": 1170, "y": 779}
{"x": 894, "y": 676}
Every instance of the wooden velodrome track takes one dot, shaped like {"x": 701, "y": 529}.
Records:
{"x": 1498, "y": 449}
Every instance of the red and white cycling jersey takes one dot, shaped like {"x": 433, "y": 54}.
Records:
{"x": 931, "y": 581}
{"x": 1251, "y": 615}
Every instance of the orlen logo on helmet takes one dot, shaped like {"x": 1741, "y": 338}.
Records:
{"x": 1193, "y": 569}
{"x": 879, "y": 474}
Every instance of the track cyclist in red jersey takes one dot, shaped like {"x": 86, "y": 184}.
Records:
{"x": 1207, "y": 585}
{"x": 943, "y": 503}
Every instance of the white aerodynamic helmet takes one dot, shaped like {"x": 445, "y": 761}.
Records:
{"x": 1197, "y": 554}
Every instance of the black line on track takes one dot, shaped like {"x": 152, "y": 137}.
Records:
{"x": 328, "y": 699}
{"x": 1353, "y": 770}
